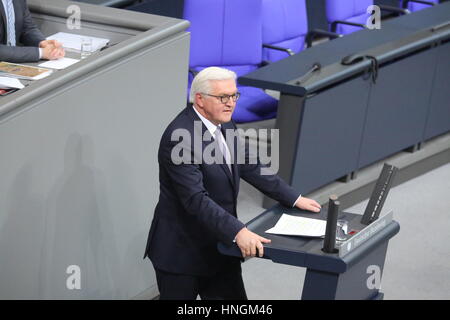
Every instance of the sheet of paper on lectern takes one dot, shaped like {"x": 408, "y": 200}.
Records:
{"x": 298, "y": 226}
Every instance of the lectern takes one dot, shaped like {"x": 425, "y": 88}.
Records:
{"x": 354, "y": 272}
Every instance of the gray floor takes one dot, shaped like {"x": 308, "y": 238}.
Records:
{"x": 418, "y": 261}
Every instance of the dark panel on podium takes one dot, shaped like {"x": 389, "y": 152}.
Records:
{"x": 398, "y": 107}
{"x": 330, "y": 145}
{"x": 439, "y": 114}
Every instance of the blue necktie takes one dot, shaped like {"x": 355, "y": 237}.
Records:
{"x": 11, "y": 20}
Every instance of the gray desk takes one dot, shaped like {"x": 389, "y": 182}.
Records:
{"x": 338, "y": 121}
{"x": 79, "y": 158}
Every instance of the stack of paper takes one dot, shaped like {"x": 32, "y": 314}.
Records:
{"x": 10, "y": 83}
{"x": 299, "y": 226}
{"x": 73, "y": 41}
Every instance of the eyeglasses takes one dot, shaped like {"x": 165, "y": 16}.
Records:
{"x": 225, "y": 98}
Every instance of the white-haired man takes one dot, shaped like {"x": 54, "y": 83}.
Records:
{"x": 198, "y": 199}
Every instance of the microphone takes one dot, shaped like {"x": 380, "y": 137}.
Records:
{"x": 315, "y": 67}
{"x": 330, "y": 233}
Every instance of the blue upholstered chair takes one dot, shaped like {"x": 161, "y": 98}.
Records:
{"x": 228, "y": 34}
{"x": 416, "y": 5}
{"x": 285, "y": 25}
{"x": 285, "y": 29}
{"x": 347, "y": 16}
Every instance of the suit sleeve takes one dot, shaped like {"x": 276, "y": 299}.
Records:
{"x": 187, "y": 180}
{"x": 19, "y": 54}
{"x": 31, "y": 35}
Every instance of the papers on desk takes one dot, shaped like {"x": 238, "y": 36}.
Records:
{"x": 299, "y": 226}
{"x": 59, "y": 64}
{"x": 10, "y": 83}
{"x": 73, "y": 41}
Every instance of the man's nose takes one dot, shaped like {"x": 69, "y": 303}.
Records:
{"x": 231, "y": 103}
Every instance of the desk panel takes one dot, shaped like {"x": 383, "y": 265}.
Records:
{"x": 330, "y": 134}
{"x": 398, "y": 107}
{"x": 439, "y": 113}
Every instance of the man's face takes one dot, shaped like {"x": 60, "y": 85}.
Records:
{"x": 211, "y": 107}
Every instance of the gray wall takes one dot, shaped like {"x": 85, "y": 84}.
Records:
{"x": 80, "y": 176}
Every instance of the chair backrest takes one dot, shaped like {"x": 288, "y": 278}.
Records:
{"x": 414, "y": 6}
{"x": 347, "y": 10}
{"x": 228, "y": 34}
{"x": 284, "y": 24}
{"x": 225, "y": 33}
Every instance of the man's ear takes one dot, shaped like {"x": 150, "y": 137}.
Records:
{"x": 199, "y": 100}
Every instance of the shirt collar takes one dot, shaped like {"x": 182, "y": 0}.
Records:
{"x": 209, "y": 125}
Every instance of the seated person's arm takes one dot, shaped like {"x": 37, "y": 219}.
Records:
{"x": 19, "y": 54}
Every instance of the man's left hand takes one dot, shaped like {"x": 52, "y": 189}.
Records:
{"x": 53, "y": 49}
{"x": 308, "y": 204}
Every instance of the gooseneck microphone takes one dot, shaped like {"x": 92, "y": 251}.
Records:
{"x": 315, "y": 67}
{"x": 330, "y": 233}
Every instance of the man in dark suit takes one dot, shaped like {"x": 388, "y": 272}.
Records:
{"x": 17, "y": 26}
{"x": 198, "y": 198}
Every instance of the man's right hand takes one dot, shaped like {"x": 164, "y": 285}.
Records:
{"x": 250, "y": 243}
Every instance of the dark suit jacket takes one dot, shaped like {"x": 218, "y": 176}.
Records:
{"x": 27, "y": 34}
{"x": 197, "y": 205}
